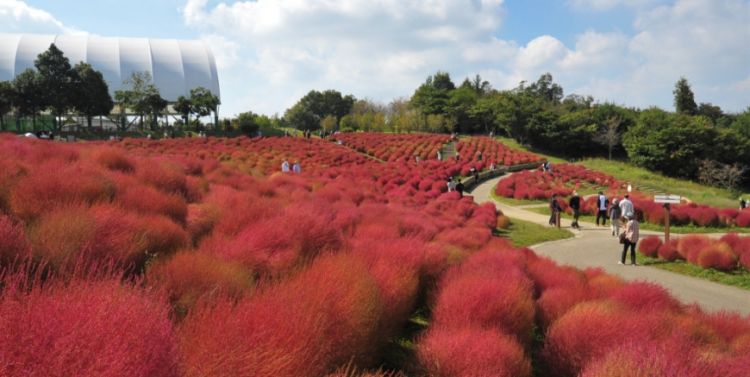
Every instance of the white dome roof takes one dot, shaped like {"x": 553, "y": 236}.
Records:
{"x": 176, "y": 66}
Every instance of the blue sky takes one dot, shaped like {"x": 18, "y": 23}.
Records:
{"x": 271, "y": 52}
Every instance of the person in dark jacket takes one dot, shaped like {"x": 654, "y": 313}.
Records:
{"x": 554, "y": 207}
{"x": 460, "y": 188}
{"x": 575, "y": 205}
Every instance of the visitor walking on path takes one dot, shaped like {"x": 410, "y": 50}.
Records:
{"x": 601, "y": 205}
{"x": 615, "y": 213}
{"x": 626, "y": 206}
{"x": 554, "y": 207}
{"x": 296, "y": 167}
{"x": 451, "y": 184}
{"x": 285, "y": 166}
{"x": 460, "y": 188}
{"x": 743, "y": 203}
{"x": 630, "y": 239}
{"x": 575, "y": 205}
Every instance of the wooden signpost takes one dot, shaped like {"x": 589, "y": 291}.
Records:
{"x": 667, "y": 200}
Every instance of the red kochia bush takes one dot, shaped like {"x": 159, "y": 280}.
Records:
{"x": 307, "y": 326}
{"x": 471, "y": 353}
{"x": 85, "y": 329}
{"x": 689, "y": 246}
{"x": 717, "y": 255}
{"x": 649, "y": 246}
{"x": 668, "y": 251}
{"x": 647, "y": 359}
{"x": 502, "y": 302}
{"x": 586, "y": 332}
{"x": 189, "y": 276}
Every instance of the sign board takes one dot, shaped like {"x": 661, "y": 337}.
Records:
{"x": 672, "y": 199}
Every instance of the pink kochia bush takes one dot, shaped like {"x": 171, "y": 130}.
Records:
{"x": 84, "y": 328}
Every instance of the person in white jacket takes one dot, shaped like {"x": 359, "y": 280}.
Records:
{"x": 626, "y": 207}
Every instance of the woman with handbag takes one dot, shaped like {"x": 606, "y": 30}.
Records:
{"x": 629, "y": 237}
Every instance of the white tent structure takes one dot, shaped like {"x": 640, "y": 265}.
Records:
{"x": 176, "y": 66}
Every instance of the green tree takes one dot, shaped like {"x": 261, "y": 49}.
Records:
{"x": 247, "y": 123}
{"x": 710, "y": 111}
{"x": 184, "y": 106}
{"x": 56, "y": 80}
{"x": 307, "y": 113}
{"x": 741, "y": 123}
{"x": 544, "y": 88}
{"x": 29, "y": 94}
{"x": 204, "y": 102}
{"x": 91, "y": 94}
{"x": 142, "y": 98}
{"x": 432, "y": 96}
{"x": 671, "y": 144}
{"x": 684, "y": 101}
{"x": 7, "y": 95}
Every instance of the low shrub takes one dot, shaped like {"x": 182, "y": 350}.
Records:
{"x": 719, "y": 256}
{"x": 97, "y": 328}
{"x": 13, "y": 244}
{"x": 649, "y": 246}
{"x": 467, "y": 352}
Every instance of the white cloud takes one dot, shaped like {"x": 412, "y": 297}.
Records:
{"x": 274, "y": 51}
{"x": 18, "y": 17}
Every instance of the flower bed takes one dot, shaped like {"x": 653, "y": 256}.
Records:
{"x": 200, "y": 258}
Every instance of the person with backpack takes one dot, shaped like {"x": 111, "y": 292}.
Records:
{"x": 602, "y": 203}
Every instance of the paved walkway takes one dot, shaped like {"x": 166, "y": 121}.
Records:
{"x": 595, "y": 246}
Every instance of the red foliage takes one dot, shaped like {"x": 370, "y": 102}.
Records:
{"x": 188, "y": 277}
{"x": 689, "y": 246}
{"x": 148, "y": 200}
{"x": 502, "y": 302}
{"x": 587, "y": 332}
{"x": 471, "y": 352}
{"x": 306, "y": 326}
{"x": 86, "y": 329}
{"x": 50, "y": 186}
{"x": 668, "y": 251}
{"x": 13, "y": 244}
{"x": 743, "y": 219}
{"x": 113, "y": 159}
{"x": 649, "y": 246}
{"x": 718, "y": 255}
{"x": 644, "y": 296}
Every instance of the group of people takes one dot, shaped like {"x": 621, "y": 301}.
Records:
{"x": 619, "y": 212}
{"x": 454, "y": 184}
{"x": 296, "y": 168}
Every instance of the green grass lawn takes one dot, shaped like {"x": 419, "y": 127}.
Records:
{"x": 641, "y": 177}
{"x": 512, "y": 143}
{"x": 523, "y": 233}
{"x": 739, "y": 278}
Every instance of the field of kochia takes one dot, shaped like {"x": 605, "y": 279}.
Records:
{"x": 198, "y": 257}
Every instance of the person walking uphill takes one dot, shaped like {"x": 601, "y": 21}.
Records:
{"x": 629, "y": 238}
{"x": 601, "y": 205}
{"x": 575, "y": 205}
{"x": 554, "y": 207}
{"x": 626, "y": 206}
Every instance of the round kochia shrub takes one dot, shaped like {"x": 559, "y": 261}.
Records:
{"x": 98, "y": 328}
{"x": 649, "y": 246}
{"x": 322, "y": 318}
{"x": 470, "y": 353}
{"x": 717, "y": 255}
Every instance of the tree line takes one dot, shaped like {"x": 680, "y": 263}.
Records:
{"x": 56, "y": 87}
{"x": 691, "y": 142}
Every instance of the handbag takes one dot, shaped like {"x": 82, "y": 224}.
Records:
{"x": 622, "y": 238}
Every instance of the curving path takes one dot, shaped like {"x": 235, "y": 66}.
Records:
{"x": 596, "y": 247}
